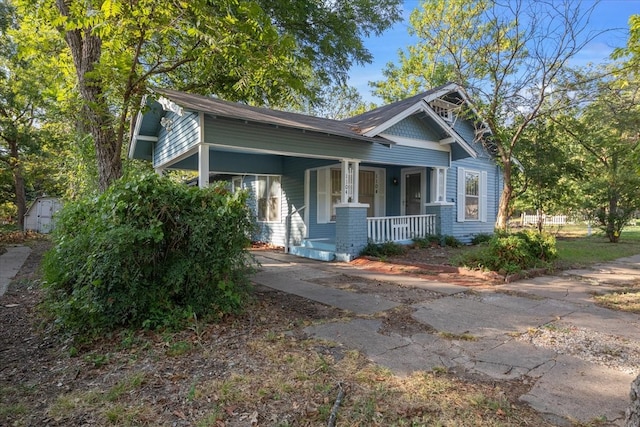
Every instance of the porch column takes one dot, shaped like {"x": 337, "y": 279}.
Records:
{"x": 444, "y": 217}
{"x": 351, "y": 230}
{"x": 356, "y": 181}
{"x": 203, "y": 166}
{"x": 350, "y": 175}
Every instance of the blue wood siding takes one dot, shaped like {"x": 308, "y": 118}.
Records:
{"x": 317, "y": 231}
{"x": 465, "y": 129}
{"x": 415, "y": 128}
{"x": 308, "y": 144}
{"x": 293, "y": 184}
{"x": 183, "y": 136}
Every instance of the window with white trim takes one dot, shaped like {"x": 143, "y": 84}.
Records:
{"x": 472, "y": 195}
{"x": 438, "y": 185}
{"x": 268, "y": 196}
{"x": 236, "y": 184}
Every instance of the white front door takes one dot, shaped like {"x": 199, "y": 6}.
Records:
{"x": 413, "y": 191}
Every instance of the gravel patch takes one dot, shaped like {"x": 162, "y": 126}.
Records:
{"x": 591, "y": 346}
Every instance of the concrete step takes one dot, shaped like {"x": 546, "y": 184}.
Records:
{"x": 321, "y": 244}
{"x": 313, "y": 253}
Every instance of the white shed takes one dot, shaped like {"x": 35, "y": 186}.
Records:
{"x": 39, "y": 216}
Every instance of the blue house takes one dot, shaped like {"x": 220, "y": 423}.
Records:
{"x": 324, "y": 188}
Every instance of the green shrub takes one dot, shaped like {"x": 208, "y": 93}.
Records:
{"x": 382, "y": 250}
{"x": 481, "y": 238}
{"x": 427, "y": 242}
{"x": 451, "y": 242}
{"x": 436, "y": 240}
{"x": 148, "y": 252}
{"x": 510, "y": 253}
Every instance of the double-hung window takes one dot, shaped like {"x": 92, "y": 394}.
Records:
{"x": 268, "y": 198}
{"x": 472, "y": 195}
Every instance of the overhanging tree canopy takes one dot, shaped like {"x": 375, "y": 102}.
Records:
{"x": 257, "y": 51}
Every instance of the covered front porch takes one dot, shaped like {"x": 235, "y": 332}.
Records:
{"x": 398, "y": 229}
{"x": 351, "y": 204}
{"x": 311, "y": 207}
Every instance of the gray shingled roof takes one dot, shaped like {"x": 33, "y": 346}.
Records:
{"x": 374, "y": 118}
{"x": 217, "y": 107}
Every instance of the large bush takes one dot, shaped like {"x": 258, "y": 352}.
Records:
{"x": 148, "y": 252}
{"x": 509, "y": 253}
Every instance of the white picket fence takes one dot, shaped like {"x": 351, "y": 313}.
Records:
{"x": 546, "y": 219}
{"x": 400, "y": 228}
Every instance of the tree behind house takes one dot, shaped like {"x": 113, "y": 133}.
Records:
{"x": 258, "y": 51}
{"x": 604, "y": 126}
{"x": 508, "y": 55}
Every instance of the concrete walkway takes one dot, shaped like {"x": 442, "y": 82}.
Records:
{"x": 11, "y": 263}
{"x": 564, "y": 388}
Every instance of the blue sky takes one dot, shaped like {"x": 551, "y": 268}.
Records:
{"x": 608, "y": 15}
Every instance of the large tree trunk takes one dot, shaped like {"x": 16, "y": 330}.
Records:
{"x": 18, "y": 182}
{"x": 505, "y": 198}
{"x": 108, "y": 150}
{"x": 86, "y": 50}
{"x": 612, "y": 218}
{"x": 633, "y": 411}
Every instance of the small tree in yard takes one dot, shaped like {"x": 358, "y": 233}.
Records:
{"x": 604, "y": 126}
{"x": 148, "y": 252}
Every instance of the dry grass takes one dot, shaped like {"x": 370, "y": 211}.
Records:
{"x": 257, "y": 368}
{"x": 625, "y": 300}
{"x": 295, "y": 383}
{"x": 290, "y": 381}
{"x": 252, "y": 369}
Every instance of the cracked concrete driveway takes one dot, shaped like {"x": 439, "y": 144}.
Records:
{"x": 477, "y": 331}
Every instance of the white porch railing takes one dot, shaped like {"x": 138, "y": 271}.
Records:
{"x": 400, "y": 228}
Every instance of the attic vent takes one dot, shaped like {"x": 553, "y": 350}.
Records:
{"x": 444, "y": 109}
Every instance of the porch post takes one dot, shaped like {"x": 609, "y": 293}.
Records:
{"x": 203, "y": 165}
{"x": 356, "y": 181}
{"x": 351, "y": 230}
{"x": 444, "y": 217}
{"x": 350, "y": 172}
{"x": 346, "y": 181}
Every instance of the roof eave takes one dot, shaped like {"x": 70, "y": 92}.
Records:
{"x": 451, "y": 87}
{"x": 136, "y": 132}
{"x": 395, "y": 119}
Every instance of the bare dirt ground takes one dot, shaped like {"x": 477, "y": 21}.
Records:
{"x": 256, "y": 368}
